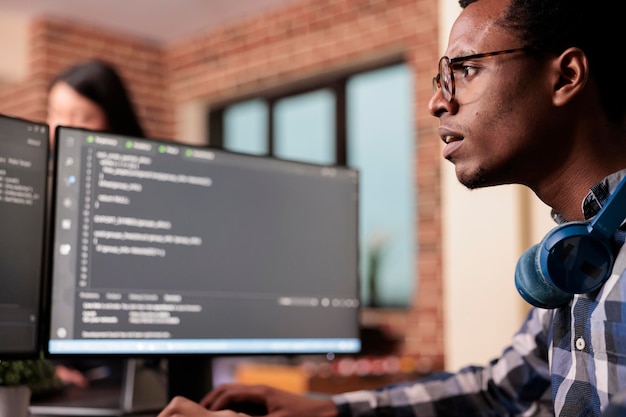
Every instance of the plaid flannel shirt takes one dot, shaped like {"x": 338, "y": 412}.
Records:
{"x": 569, "y": 361}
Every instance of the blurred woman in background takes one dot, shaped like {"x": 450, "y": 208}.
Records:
{"x": 92, "y": 95}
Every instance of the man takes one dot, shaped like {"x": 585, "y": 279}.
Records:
{"x": 532, "y": 94}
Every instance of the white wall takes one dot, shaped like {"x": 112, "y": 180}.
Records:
{"x": 191, "y": 126}
{"x": 14, "y": 46}
{"x": 484, "y": 232}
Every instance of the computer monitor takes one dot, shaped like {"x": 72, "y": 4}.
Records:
{"x": 162, "y": 248}
{"x": 23, "y": 173}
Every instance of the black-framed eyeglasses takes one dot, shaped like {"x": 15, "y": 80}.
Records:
{"x": 445, "y": 78}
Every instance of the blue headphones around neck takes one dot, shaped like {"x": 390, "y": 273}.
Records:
{"x": 573, "y": 258}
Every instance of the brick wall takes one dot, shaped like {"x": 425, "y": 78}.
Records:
{"x": 311, "y": 39}
{"x": 57, "y": 44}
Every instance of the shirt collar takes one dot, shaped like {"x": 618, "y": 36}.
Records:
{"x": 596, "y": 197}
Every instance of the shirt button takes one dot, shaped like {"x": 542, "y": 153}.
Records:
{"x": 580, "y": 343}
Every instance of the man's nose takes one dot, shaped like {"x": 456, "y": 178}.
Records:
{"x": 438, "y": 104}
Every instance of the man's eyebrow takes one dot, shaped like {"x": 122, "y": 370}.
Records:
{"x": 462, "y": 54}
{"x": 465, "y": 52}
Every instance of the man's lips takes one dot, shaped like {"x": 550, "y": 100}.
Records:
{"x": 449, "y": 136}
{"x": 451, "y": 139}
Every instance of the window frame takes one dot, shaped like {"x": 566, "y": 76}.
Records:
{"x": 336, "y": 82}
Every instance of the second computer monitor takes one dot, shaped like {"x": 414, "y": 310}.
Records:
{"x": 165, "y": 248}
{"x": 23, "y": 174}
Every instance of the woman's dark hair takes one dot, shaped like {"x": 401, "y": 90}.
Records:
{"x": 99, "y": 82}
{"x": 595, "y": 27}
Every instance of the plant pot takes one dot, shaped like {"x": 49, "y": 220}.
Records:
{"x": 14, "y": 401}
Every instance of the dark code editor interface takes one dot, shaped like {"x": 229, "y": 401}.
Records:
{"x": 161, "y": 247}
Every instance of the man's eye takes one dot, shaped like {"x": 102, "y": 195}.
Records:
{"x": 463, "y": 70}
{"x": 468, "y": 71}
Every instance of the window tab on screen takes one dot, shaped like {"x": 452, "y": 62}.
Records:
{"x": 165, "y": 248}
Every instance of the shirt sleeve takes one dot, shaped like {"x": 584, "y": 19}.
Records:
{"x": 617, "y": 406}
{"x": 517, "y": 383}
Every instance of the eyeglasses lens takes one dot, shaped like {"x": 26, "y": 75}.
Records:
{"x": 445, "y": 79}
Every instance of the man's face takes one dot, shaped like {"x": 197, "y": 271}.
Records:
{"x": 496, "y": 129}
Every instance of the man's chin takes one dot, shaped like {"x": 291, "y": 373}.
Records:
{"x": 472, "y": 181}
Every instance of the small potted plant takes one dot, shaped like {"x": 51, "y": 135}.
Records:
{"x": 19, "y": 379}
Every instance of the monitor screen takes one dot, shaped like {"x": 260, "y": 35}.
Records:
{"x": 23, "y": 182}
{"x": 164, "y": 248}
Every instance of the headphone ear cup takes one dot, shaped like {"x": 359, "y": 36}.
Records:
{"x": 533, "y": 286}
{"x": 575, "y": 259}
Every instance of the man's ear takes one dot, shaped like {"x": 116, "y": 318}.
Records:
{"x": 571, "y": 71}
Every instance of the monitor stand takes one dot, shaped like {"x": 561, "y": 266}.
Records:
{"x": 189, "y": 376}
{"x": 142, "y": 389}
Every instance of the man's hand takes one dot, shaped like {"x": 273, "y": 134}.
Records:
{"x": 71, "y": 376}
{"x": 182, "y": 407}
{"x": 278, "y": 402}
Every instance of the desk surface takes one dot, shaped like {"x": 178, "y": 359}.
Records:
{"x": 93, "y": 401}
